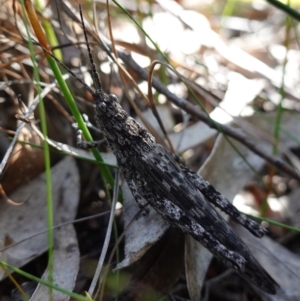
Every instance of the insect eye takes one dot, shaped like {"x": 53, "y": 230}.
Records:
{"x": 113, "y": 98}
{"x": 102, "y": 106}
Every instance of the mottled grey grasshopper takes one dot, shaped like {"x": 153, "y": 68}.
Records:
{"x": 180, "y": 196}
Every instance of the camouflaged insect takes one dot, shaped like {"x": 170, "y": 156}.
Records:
{"x": 179, "y": 195}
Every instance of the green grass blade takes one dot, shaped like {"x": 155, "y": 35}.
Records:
{"x": 46, "y": 155}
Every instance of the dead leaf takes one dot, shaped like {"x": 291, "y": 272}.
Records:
{"x": 283, "y": 265}
{"x": 159, "y": 268}
{"x": 22, "y": 222}
{"x": 143, "y": 233}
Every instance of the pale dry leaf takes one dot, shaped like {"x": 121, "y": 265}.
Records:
{"x": 282, "y": 264}
{"x": 143, "y": 233}
{"x": 192, "y": 136}
{"x": 164, "y": 114}
{"x": 65, "y": 265}
{"x": 264, "y": 125}
{"x": 20, "y": 222}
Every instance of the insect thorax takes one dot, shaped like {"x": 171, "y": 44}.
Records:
{"x": 124, "y": 134}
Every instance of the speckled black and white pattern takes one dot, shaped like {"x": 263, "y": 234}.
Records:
{"x": 179, "y": 195}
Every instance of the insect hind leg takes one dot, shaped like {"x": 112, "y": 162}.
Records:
{"x": 216, "y": 198}
{"x": 179, "y": 218}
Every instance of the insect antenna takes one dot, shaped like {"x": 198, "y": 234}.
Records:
{"x": 67, "y": 68}
{"x": 95, "y": 74}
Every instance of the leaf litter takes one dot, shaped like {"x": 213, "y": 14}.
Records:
{"x": 238, "y": 67}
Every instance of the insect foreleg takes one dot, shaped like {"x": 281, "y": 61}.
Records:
{"x": 87, "y": 144}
